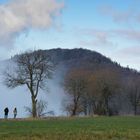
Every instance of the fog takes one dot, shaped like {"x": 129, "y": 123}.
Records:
{"x": 20, "y": 97}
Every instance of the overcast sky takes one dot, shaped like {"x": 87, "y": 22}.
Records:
{"x": 111, "y": 27}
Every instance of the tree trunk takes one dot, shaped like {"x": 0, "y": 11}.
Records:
{"x": 85, "y": 106}
{"x": 135, "y": 109}
{"x": 74, "y": 110}
{"x": 34, "y": 111}
{"x": 106, "y": 107}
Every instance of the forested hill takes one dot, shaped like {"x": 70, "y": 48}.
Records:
{"x": 87, "y": 59}
{"x": 112, "y": 87}
{"x": 84, "y": 58}
{"x": 108, "y": 77}
{"x": 77, "y": 54}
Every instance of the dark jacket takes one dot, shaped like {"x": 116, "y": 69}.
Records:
{"x": 6, "y": 110}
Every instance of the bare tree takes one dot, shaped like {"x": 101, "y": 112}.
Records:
{"x": 133, "y": 92}
{"x": 31, "y": 69}
{"x": 41, "y": 108}
{"x": 104, "y": 83}
{"x": 75, "y": 87}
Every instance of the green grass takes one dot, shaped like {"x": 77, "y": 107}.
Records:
{"x": 98, "y": 128}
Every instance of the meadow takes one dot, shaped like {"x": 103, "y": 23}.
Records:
{"x": 86, "y": 128}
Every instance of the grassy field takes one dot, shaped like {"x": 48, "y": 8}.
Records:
{"x": 96, "y": 128}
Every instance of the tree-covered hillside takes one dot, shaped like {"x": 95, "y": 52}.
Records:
{"x": 93, "y": 83}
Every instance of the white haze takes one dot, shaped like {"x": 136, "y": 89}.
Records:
{"x": 20, "y": 96}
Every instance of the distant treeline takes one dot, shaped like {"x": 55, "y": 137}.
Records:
{"x": 101, "y": 92}
{"x": 97, "y": 85}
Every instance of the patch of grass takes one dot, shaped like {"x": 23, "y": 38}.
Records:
{"x": 98, "y": 128}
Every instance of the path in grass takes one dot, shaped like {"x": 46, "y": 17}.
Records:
{"x": 99, "y": 128}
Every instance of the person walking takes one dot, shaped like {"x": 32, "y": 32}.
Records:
{"x": 15, "y": 112}
{"x": 6, "y": 111}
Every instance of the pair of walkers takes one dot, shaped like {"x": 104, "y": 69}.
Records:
{"x": 6, "y": 111}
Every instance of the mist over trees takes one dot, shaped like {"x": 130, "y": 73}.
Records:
{"x": 93, "y": 84}
{"x": 106, "y": 88}
{"x": 32, "y": 69}
{"x": 75, "y": 85}
{"x": 91, "y": 91}
{"x": 99, "y": 92}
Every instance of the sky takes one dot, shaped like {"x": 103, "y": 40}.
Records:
{"x": 111, "y": 27}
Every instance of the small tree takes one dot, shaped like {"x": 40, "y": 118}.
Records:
{"x": 41, "y": 108}
{"x": 75, "y": 87}
{"x": 31, "y": 69}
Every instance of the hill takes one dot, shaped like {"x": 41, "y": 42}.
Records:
{"x": 65, "y": 59}
{"x": 72, "y": 58}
